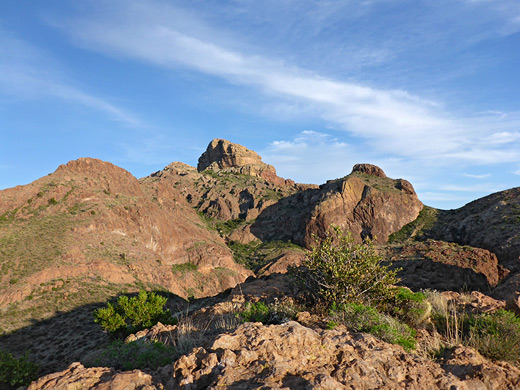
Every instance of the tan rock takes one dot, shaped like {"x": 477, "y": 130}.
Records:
{"x": 293, "y": 356}
{"x": 97, "y": 378}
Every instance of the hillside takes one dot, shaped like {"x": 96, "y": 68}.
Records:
{"x": 220, "y": 236}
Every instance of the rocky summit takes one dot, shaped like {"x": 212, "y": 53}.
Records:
{"x": 221, "y": 242}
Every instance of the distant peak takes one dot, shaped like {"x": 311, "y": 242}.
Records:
{"x": 221, "y": 154}
{"x": 369, "y": 169}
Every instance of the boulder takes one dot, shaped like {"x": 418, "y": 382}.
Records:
{"x": 509, "y": 291}
{"x": 369, "y": 169}
{"x": 427, "y": 264}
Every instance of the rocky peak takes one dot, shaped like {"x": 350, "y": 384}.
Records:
{"x": 369, "y": 169}
{"x": 222, "y": 155}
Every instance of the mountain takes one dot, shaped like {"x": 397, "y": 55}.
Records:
{"x": 222, "y": 234}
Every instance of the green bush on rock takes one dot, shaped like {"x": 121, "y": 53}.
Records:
{"x": 340, "y": 271}
{"x": 129, "y": 315}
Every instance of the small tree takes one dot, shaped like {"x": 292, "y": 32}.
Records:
{"x": 339, "y": 271}
{"x": 132, "y": 314}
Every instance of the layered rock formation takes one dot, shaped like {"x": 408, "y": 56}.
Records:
{"x": 222, "y": 155}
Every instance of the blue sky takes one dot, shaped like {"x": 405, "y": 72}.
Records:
{"x": 427, "y": 90}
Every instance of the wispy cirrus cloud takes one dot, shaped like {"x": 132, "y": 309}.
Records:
{"x": 390, "y": 121}
{"x": 29, "y": 73}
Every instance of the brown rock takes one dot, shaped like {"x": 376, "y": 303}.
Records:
{"x": 509, "y": 291}
{"x": 367, "y": 206}
{"x": 369, "y": 169}
{"x": 98, "y": 378}
{"x": 479, "y": 373}
{"x": 441, "y": 265}
{"x": 222, "y": 155}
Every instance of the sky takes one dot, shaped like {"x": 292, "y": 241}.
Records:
{"x": 429, "y": 90}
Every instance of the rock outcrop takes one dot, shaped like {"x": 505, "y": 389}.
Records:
{"x": 426, "y": 264}
{"x": 222, "y": 155}
{"x": 368, "y": 206}
{"x": 292, "y": 356}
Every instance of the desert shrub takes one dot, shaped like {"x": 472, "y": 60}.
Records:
{"x": 16, "y": 372}
{"x": 496, "y": 336}
{"x": 129, "y": 315}
{"x": 361, "y": 318}
{"x": 338, "y": 271}
{"x": 135, "y": 355}
{"x": 274, "y": 313}
{"x": 411, "y": 308}
{"x": 255, "y": 312}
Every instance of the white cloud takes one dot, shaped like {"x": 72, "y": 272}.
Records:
{"x": 391, "y": 121}
{"x": 30, "y": 74}
{"x": 483, "y": 176}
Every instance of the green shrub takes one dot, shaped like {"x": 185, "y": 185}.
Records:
{"x": 411, "y": 308}
{"x": 340, "y": 271}
{"x": 274, "y": 313}
{"x": 361, "y": 318}
{"x": 135, "y": 355}
{"x": 256, "y": 312}
{"x": 16, "y": 372}
{"x": 132, "y": 314}
{"x": 496, "y": 336}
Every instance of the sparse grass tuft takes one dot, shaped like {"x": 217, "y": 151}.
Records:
{"x": 361, "y": 318}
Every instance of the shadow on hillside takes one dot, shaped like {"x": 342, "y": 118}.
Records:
{"x": 423, "y": 273}
{"x": 67, "y": 337}
{"x": 286, "y": 219}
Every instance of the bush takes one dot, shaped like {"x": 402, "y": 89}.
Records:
{"x": 275, "y": 313}
{"x": 361, "y": 318}
{"x": 496, "y": 336}
{"x": 135, "y": 355}
{"x": 16, "y": 372}
{"x": 340, "y": 271}
{"x": 411, "y": 308}
{"x": 132, "y": 314}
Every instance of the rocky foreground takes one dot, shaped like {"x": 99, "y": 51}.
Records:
{"x": 292, "y": 356}
{"x": 224, "y": 233}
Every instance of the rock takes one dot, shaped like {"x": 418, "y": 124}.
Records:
{"x": 426, "y": 264}
{"x": 479, "y": 373}
{"x": 97, "y": 378}
{"x": 475, "y": 301}
{"x": 222, "y": 155}
{"x": 367, "y": 206}
{"x": 294, "y": 356}
{"x": 369, "y": 169}
{"x": 509, "y": 291}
